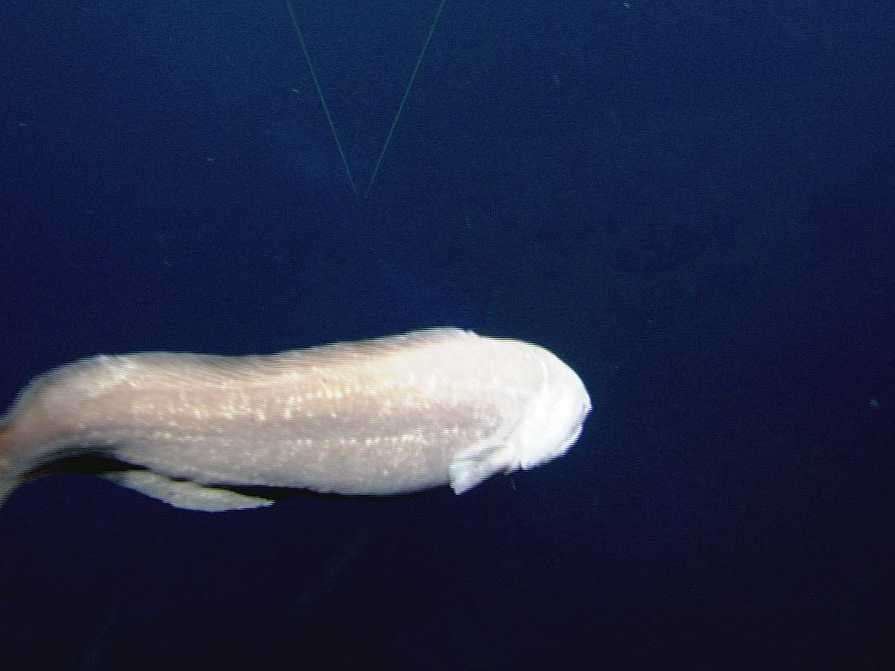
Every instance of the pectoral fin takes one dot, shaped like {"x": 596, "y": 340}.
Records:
{"x": 185, "y": 493}
{"x": 476, "y": 464}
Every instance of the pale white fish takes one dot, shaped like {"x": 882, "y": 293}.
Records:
{"x": 384, "y": 416}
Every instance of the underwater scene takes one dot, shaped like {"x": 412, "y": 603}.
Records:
{"x": 447, "y": 334}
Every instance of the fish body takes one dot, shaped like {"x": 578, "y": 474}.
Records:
{"x": 383, "y": 416}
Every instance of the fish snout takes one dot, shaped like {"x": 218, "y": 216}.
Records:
{"x": 554, "y": 418}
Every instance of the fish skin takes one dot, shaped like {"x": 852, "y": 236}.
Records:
{"x": 384, "y": 416}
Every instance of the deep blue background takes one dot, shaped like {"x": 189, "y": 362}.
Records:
{"x": 692, "y": 205}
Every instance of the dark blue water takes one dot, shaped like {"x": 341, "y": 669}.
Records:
{"x": 690, "y": 202}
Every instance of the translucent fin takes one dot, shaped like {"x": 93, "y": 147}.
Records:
{"x": 476, "y": 464}
{"x": 185, "y": 493}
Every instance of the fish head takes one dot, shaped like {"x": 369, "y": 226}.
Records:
{"x": 553, "y": 418}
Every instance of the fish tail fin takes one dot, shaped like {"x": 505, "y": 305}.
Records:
{"x": 10, "y": 474}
